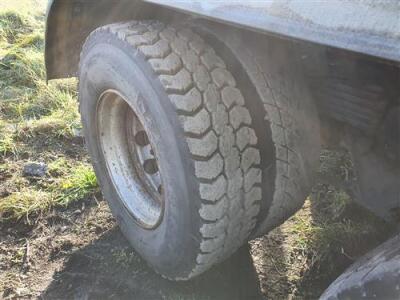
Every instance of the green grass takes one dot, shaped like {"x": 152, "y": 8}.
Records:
{"x": 7, "y": 144}
{"x": 80, "y": 183}
{"x": 330, "y": 232}
{"x": 303, "y": 256}
{"x": 23, "y": 203}
{"x": 12, "y": 25}
{"x": 34, "y": 115}
{"x": 22, "y": 68}
{"x": 59, "y": 167}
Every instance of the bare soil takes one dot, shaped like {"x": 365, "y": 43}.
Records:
{"x": 79, "y": 253}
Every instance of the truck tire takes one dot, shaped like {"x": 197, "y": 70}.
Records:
{"x": 172, "y": 144}
{"x": 291, "y": 122}
{"x": 374, "y": 276}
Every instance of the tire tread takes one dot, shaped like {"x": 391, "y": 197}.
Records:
{"x": 187, "y": 68}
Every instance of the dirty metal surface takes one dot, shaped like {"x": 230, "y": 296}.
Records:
{"x": 371, "y": 27}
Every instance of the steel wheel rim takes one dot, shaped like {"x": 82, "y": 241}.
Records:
{"x": 130, "y": 158}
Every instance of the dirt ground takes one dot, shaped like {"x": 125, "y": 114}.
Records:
{"x": 78, "y": 252}
{"x": 58, "y": 239}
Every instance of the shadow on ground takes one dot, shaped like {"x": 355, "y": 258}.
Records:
{"x": 269, "y": 259}
{"x": 109, "y": 269}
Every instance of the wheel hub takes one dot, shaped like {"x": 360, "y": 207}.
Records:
{"x": 130, "y": 159}
{"x": 142, "y": 153}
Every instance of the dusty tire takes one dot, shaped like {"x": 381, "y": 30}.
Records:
{"x": 291, "y": 123}
{"x": 201, "y": 132}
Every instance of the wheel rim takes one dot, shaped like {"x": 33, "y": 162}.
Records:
{"x": 130, "y": 159}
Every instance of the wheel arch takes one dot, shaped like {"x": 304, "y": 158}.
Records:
{"x": 69, "y": 23}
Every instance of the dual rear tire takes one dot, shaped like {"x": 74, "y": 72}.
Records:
{"x": 172, "y": 143}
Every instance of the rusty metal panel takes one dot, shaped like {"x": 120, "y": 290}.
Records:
{"x": 371, "y": 27}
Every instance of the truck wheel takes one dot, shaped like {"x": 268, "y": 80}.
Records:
{"x": 172, "y": 144}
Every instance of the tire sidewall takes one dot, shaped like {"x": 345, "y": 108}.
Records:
{"x": 109, "y": 63}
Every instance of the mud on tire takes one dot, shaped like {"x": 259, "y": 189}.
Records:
{"x": 196, "y": 117}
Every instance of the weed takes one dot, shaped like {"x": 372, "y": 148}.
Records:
{"x": 59, "y": 167}
{"x": 24, "y": 203}
{"x": 18, "y": 256}
{"x": 78, "y": 185}
{"x": 7, "y": 144}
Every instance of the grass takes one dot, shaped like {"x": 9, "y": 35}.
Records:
{"x": 24, "y": 203}
{"x": 330, "y": 232}
{"x": 32, "y": 7}
{"x": 303, "y": 256}
{"x": 29, "y": 201}
{"x": 125, "y": 258}
{"x": 78, "y": 185}
{"x": 12, "y": 25}
{"x": 7, "y": 144}
{"x": 36, "y": 118}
